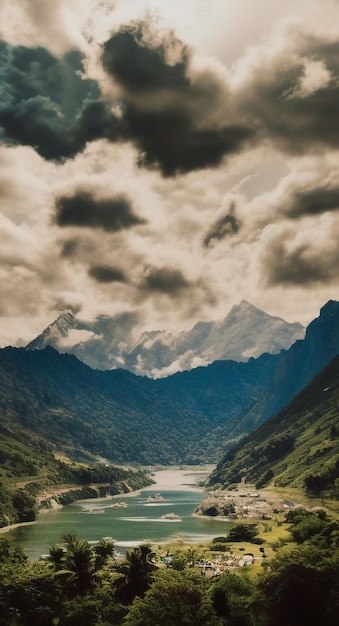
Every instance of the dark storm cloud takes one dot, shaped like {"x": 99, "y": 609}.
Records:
{"x": 298, "y": 267}
{"x": 176, "y": 122}
{"x": 223, "y": 227}
{"x": 178, "y": 119}
{"x": 323, "y": 49}
{"x": 106, "y": 274}
{"x": 164, "y": 279}
{"x": 313, "y": 201}
{"x": 83, "y": 210}
{"x": 292, "y": 117}
{"x": 117, "y": 328}
{"x": 45, "y": 103}
{"x": 70, "y": 248}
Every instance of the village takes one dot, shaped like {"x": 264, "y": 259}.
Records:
{"x": 244, "y": 504}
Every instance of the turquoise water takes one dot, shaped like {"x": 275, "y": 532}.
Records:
{"x": 139, "y": 519}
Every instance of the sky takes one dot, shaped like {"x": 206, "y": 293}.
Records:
{"x": 163, "y": 160}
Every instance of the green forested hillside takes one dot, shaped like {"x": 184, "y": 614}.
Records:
{"x": 123, "y": 417}
{"x": 28, "y": 467}
{"x": 298, "y": 447}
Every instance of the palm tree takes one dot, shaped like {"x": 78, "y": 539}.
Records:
{"x": 79, "y": 563}
{"x": 104, "y": 553}
{"x": 135, "y": 574}
{"x": 57, "y": 557}
{"x": 105, "y": 547}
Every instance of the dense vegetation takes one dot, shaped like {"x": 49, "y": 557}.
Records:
{"x": 298, "y": 447}
{"x": 79, "y": 584}
{"x": 29, "y": 467}
{"x": 123, "y": 417}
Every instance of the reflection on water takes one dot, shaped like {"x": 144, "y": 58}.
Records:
{"x": 140, "y": 517}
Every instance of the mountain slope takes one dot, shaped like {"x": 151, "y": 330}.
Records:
{"x": 126, "y": 417}
{"x": 297, "y": 447}
{"x": 188, "y": 417}
{"x": 298, "y": 365}
{"x": 28, "y": 469}
{"x": 107, "y": 343}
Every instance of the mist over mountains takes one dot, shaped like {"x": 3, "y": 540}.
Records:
{"x": 107, "y": 343}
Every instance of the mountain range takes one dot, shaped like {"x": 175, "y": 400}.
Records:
{"x": 190, "y": 417}
{"x": 108, "y": 343}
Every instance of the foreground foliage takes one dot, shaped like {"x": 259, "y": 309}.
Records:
{"x": 79, "y": 584}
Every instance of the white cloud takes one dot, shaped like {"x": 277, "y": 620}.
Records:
{"x": 315, "y": 76}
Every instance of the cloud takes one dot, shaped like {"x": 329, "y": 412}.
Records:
{"x": 313, "y": 201}
{"x": 19, "y": 246}
{"x": 138, "y": 107}
{"x": 287, "y": 261}
{"x": 176, "y": 119}
{"x": 74, "y": 337}
{"x": 179, "y": 117}
{"x": 167, "y": 280}
{"x": 71, "y": 247}
{"x": 315, "y": 77}
{"x": 111, "y": 334}
{"x": 291, "y": 94}
{"x": 106, "y": 274}
{"x": 85, "y": 211}
{"x": 54, "y": 25}
{"x": 225, "y": 226}
{"x": 48, "y": 104}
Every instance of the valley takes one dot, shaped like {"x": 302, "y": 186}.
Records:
{"x": 80, "y": 449}
{"x": 270, "y": 421}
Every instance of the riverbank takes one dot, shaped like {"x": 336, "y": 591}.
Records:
{"x": 180, "y": 479}
{"x": 183, "y": 478}
{"x": 7, "y": 529}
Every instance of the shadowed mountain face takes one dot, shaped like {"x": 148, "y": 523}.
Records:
{"x": 107, "y": 343}
{"x": 298, "y": 365}
{"x": 297, "y": 447}
{"x": 191, "y": 416}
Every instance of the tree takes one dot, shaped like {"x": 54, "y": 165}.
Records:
{"x": 135, "y": 574}
{"x": 104, "y": 553}
{"x": 243, "y": 532}
{"x": 79, "y": 564}
{"x": 57, "y": 557}
{"x": 232, "y": 596}
{"x": 300, "y": 587}
{"x": 11, "y": 553}
{"x": 24, "y": 504}
{"x": 29, "y": 594}
{"x": 174, "y": 599}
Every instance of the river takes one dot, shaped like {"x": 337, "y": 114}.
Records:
{"x": 129, "y": 519}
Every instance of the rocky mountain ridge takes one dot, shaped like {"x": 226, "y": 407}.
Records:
{"x": 107, "y": 343}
